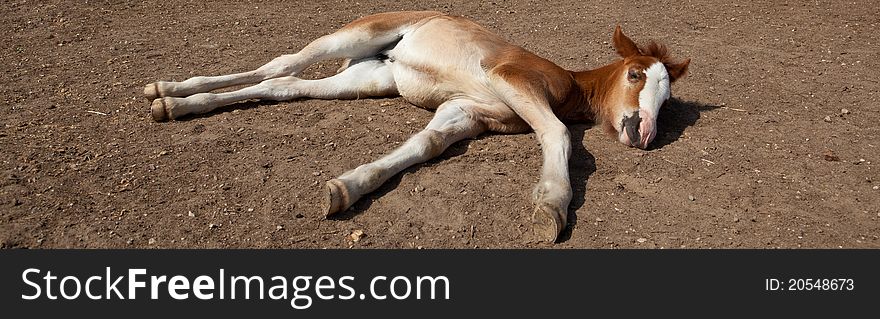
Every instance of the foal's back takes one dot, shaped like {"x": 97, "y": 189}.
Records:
{"x": 447, "y": 57}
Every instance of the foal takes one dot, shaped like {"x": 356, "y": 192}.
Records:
{"x": 476, "y": 82}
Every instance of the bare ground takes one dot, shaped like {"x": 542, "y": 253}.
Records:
{"x": 754, "y": 152}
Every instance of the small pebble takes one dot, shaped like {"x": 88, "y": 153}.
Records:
{"x": 641, "y": 240}
{"x": 691, "y": 198}
{"x": 827, "y": 119}
{"x": 844, "y": 111}
{"x": 191, "y": 214}
{"x": 829, "y": 155}
{"x": 151, "y": 241}
{"x": 212, "y": 226}
{"x": 356, "y": 235}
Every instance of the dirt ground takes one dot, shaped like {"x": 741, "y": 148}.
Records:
{"x": 771, "y": 140}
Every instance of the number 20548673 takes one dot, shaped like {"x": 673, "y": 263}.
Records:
{"x": 809, "y": 284}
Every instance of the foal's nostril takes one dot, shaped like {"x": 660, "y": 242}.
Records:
{"x": 631, "y": 126}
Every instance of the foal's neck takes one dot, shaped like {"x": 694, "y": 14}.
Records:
{"x": 593, "y": 88}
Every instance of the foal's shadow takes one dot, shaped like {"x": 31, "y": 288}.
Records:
{"x": 246, "y": 105}
{"x": 227, "y": 108}
{"x": 676, "y": 116}
{"x": 581, "y": 165}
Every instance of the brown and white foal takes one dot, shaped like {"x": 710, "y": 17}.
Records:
{"x": 476, "y": 82}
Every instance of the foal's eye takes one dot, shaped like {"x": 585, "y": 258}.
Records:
{"x": 634, "y": 75}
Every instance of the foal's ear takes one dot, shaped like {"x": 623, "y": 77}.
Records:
{"x": 678, "y": 70}
{"x": 624, "y": 45}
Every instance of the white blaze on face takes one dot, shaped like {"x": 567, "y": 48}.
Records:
{"x": 652, "y": 96}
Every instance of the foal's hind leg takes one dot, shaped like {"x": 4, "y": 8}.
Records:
{"x": 360, "y": 39}
{"x": 454, "y": 121}
{"x": 363, "y": 79}
{"x": 342, "y": 44}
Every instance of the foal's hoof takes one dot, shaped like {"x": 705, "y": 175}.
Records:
{"x": 547, "y": 223}
{"x": 152, "y": 91}
{"x": 159, "y": 109}
{"x": 337, "y": 199}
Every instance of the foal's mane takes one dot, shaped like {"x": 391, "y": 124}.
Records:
{"x": 657, "y": 50}
{"x": 661, "y": 53}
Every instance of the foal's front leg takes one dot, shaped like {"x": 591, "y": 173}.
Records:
{"x": 552, "y": 195}
{"x": 453, "y": 122}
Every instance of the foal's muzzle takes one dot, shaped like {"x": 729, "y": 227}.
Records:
{"x": 631, "y": 127}
{"x": 639, "y": 129}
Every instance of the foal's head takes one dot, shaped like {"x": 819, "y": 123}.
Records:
{"x": 636, "y": 88}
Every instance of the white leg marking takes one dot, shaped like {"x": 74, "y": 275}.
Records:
{"x": 362, "y": 79}
{"x": 350, "y": 44}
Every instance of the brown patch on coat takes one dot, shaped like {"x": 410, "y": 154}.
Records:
{"x": 390, "y": 21}
{"x": 530, "y": 73}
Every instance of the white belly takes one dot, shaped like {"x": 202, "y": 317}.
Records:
{"x": 432, "y": 67}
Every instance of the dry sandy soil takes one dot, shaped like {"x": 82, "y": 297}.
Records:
{"x": 754, "y": 152}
